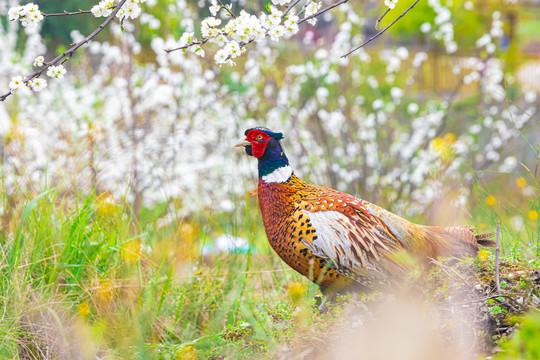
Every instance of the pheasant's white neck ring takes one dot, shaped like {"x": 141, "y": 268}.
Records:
{"x": 280, "y": 175}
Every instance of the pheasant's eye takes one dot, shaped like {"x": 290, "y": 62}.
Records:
{"x": 259, "y": 137}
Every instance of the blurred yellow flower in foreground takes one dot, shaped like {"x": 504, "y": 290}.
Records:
{"x": 491, "y": 201}
{"x": 105, "y": 291}
{"x": 521, "y": 182}
{"x": 131, "y": 251}
{"x": 296, "y": 289}
{"x": 187, "y": 353}
{"x": 105, "y": 205}
{"x": 443, "y": 145}
{"x": 483, "y": 255}
{"x": 83, "y": 309}
{"x": 533, "y": 215}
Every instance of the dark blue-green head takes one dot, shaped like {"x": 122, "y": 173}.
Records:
{"x": 264, "y": 144}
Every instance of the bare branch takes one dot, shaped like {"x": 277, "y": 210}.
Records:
{"x": 289, "y": 8}
{"x": 382, "y": 31}
{"x": 380, "y": 19}
{"x": 66, "y": 13}
{"x": 497, "y": 250}
{"x": 324, "y": 10}
{"x": 202, "y": 42}
{"x": 69, "y": 53}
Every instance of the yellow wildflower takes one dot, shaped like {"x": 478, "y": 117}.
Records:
{"x": 521, "y": 182}
{"x": 450, "y": 138}
{"x": 491, "y": 201}
{"x": 105, "y": 205}
{"x": 83, "y": 309}
{"x": 443, "y": 145}
{"x": 105, "y": 291}
{"x": 187, "y": 353}
{"x": 483, "y": 254}
{"x": 533, "y": 215}
{"x": 131, "y": 251}
{"x": 296, "y": 289}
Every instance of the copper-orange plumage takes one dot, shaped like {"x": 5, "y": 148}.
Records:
{"x": 336, "y": 239}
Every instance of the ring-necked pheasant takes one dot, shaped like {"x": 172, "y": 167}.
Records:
{"x": 338, "y": 240}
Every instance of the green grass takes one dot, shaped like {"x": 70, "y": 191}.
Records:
{"x": 80, "y": 276}
{"x": 82, "y": 267}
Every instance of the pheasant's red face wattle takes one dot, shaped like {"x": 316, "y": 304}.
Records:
{"x": 259, "y": 141}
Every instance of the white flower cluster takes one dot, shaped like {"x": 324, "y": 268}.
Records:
{"x": 280, "y": 2}
{"x": 189, "y": 38}
{"x": 496, "y": 32}
{"x": 390, "y": 3}
{"x": 56, "y": 71}
{"x": 28, "y": 14}
{"x": 38, "y": 62}
{"x": 445, "y": 32}
{"x": 17, "y": 83}
{"x": 37, "y": 84}
{"x": 241, "y": 30}
{"x": 130, "y": 10}
{"x": 311, "y": 9}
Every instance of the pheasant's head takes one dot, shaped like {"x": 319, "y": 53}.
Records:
{"x": 258, "y": 140}
{"x": 264, "y": 144}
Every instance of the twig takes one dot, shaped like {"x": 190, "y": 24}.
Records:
{"x": 202, "y": 42}
{"x": 289, "y": 8}
{"x": 497, "y": 250}
{"x": 68, "y": 53}
{"x": 324, "y": 10}
{"x": 382, "y": 31}
{"x": 380, "y": 19}
{"x": 227, "y": 9}
{"x": 66, "y": 13}
{"x": 447, "y": 269}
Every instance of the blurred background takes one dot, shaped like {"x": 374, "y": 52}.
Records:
{"x": 125, "y": 210}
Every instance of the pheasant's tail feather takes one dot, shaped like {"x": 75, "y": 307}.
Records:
{"x": 486, "y": 240}
{"x": 459, "y": 241}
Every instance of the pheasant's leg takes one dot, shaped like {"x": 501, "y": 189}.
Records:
{"x": 327, "y": 297}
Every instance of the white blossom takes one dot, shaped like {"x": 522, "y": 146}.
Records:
{"x": 214, "y": 8}
{"x": 390, "y": 3}
{"x": 276, "y": 32}
{"x": 222, "y": 56}
{"x": 412, "y": 108}
{"x": 38, "y": 62}
{"x": 14, "y": 13}
{"x": 377, "y": 104}
{"x": 291, "y": 25}
{"x": 105, "y": 8}
{"x": 132, "y": 10}
{"x": 37, "y": 84}
{"x": 281, "y": 2}
{"x": 16, "y": 83}
{"x": 28, "y": 14}
{"x": 311, "y": 9}
{"x": 425, "y": 27}
{"x": 56, "y": 71}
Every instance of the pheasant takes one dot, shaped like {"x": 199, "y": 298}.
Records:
{"x": 337, "y": 240}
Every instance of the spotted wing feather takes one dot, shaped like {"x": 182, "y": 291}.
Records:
{"x": 352, "y": 237}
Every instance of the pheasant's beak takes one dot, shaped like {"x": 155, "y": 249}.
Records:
{"x": 243, "y": 143}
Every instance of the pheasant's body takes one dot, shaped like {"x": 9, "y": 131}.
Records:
{"x": 338, "y": 240}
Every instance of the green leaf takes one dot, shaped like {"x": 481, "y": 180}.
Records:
{"x": 18, "y": 242}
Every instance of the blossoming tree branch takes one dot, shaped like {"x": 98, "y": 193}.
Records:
{"x": 282, "y": 20}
